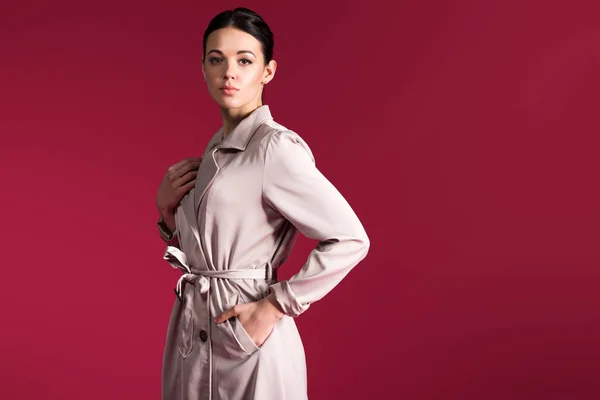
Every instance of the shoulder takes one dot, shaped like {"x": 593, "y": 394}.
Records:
{"x": 278, "y": 141}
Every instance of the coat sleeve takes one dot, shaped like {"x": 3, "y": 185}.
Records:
{"x": 294, "y": 187}
{"x": 170, "y": 238}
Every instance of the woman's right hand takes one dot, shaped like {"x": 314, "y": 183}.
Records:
{"x": 178, "y": 180}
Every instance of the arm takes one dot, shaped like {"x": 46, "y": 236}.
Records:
{"x": 168, "y": 230}
{"x": 179, "y": 179}
{"x": 294, "y": 187}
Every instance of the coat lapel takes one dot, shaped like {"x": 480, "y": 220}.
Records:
{"x": 187, "y": 207}
{"x": 207, "y": 169}
{"x": 221, "y": 151}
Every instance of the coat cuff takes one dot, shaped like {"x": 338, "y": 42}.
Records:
{"x": 164, "y": 231}
{"x": 287, "y": 299}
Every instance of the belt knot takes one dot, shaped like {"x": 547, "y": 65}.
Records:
{"x": 178, "y": 260}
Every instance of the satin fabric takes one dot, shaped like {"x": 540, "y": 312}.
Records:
{"x": 256, "y": 190}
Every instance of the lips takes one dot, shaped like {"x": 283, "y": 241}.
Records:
{"x": 229, "y": 90}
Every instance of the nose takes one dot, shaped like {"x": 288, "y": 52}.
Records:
{"x": 230, "y": 71}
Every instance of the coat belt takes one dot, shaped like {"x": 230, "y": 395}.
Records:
{"x": 202, "y": 279}
{"x": 177, "y": 259}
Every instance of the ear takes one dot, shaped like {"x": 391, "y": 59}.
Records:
{"x": 270, "y": 69}
{"x": 203, "y": 72}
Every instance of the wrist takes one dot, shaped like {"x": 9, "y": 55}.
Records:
{"x": 167, "y": 226}
{"x": 166, "y": 212}
{"x": 273, "y": 306}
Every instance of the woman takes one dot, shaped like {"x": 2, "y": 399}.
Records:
{"x": 230, "y": 219}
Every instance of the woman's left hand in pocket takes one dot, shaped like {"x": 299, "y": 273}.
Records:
{"x": 257, "y": 318}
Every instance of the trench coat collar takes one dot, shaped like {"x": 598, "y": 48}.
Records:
{"x": 239, "y": 137}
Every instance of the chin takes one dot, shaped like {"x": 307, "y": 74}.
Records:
{"x": 230, "y": 103}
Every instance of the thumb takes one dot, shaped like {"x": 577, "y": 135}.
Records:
{"x": 226, "y": 315}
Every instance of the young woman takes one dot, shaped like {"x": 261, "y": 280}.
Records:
{"x": 230, "y": 219}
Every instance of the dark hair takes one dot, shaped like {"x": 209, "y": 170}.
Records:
{"x": 245, "y": 20}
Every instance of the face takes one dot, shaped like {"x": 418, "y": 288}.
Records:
{"x": 234, "y": 69}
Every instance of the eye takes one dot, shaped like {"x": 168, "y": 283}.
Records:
{"x": 213, "y": 60}
{"x": 246, "y": 61}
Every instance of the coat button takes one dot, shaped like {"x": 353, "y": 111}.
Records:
{"x": 203, "y": 335}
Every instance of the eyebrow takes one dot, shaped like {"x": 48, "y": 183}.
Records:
{"x": 238, "y": 52}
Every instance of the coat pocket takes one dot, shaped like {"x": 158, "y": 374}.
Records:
{"x": 240, "y": 334}
{"x": 186, "y": 328}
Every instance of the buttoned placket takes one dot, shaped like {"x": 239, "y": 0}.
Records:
{"x": 202, "y": 280}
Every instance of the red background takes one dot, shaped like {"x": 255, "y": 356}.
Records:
{"x": 463, "y": 133}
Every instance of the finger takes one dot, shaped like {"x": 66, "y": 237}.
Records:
{"x": 192, "y": 160}
{"x": 186, "y": 188}
{"x": 190, "y": 176}
{"x": 178, "y": 165}
{"x": 179, "y": 192}
{"x": 226, "y": 315}
{"x": 186, "y": 168}
{"x": 183, "y": 166}
{"x": 182, "y": 190}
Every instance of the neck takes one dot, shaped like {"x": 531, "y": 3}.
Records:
{"x": 233, "y": 116}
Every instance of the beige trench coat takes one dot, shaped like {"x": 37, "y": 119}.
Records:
{"x": 255, "y": 190}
